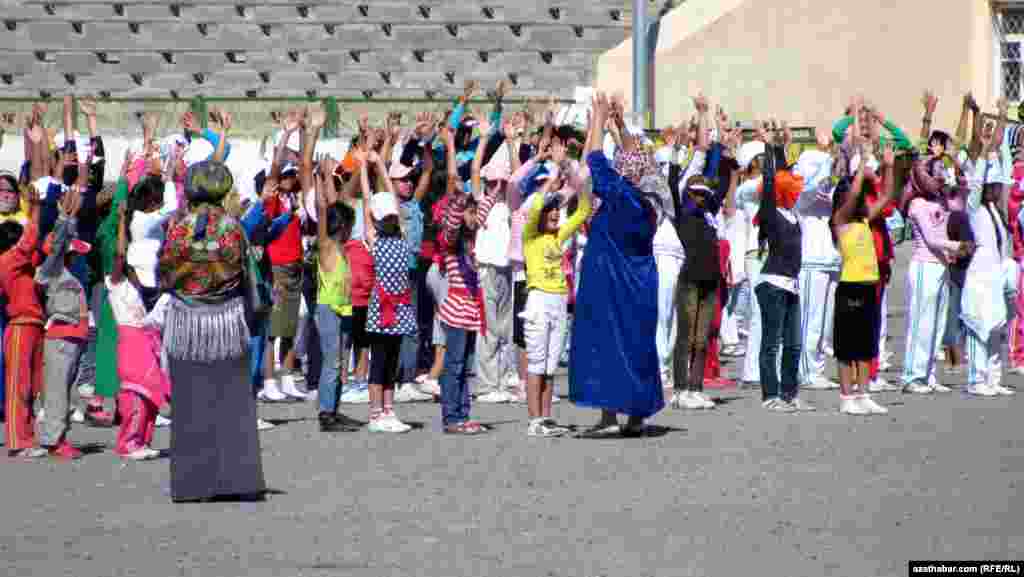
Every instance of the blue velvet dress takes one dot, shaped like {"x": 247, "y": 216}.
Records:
{"x": 613, "y": 360}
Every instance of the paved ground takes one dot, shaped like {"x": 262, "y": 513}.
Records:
{"x": 732, "y": 492}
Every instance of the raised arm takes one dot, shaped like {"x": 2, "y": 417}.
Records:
{"x": 579, "y": 216}
{"x": 478, "y": 158}
{"x": 846, "y": 209}
{"x": 363, "y": 156}
{"x": 930, "y": 101}
{"x": 316, "y": 118}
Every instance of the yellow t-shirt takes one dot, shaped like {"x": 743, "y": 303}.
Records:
{"x": 857, "y": 247}
{"x": 543, "y": 252}
{"x": 335, "y": 288}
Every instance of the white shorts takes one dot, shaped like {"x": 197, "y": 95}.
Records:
{"x": 545, "y": 322}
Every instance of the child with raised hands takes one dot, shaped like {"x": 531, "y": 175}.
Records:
{"x": 390, "y": 314}
{"x": 145, "y": 386}
{"x": 546, "y": 314}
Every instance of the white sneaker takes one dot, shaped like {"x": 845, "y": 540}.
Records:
{"x": 409, "y": 393}
{"x": 494, "y": 397}
{"x": 143, "y": 454}
{"x": 801, "y": 406}
{"x": 77, "y": 416}
{"x": 430, "y": 386}
{"x": 162, "y": 421}
{"x": 271, "y": 391}
{"x": 387, "y": 424}
{"x": 1000, "y": 389}
{"x": 262, "y": 425}
{"x": 777, "y": 405}
{"x": 690, "y": 400}
{"x": 704, "y": 399}
{"x": 940, "y": 388}
{"x": 356, "y": 396}
{"x": 981, "y": 390}
{"x": 40, "y": 414}
{"x": 290, "y": 387}
{"x": 871, "y": 406}
{"x": 542, "y": 428}
{"x": 880, "y": 385}
{"x": 917, "y": 389}
{"x": 852, "y": 406}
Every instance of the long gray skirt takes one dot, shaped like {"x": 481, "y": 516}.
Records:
{"x": 215, "y": 447}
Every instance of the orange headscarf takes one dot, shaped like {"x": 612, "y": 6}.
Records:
{"x": 788, "y": 187}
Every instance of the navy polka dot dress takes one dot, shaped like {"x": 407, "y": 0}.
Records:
{"x": 391, "y": 265}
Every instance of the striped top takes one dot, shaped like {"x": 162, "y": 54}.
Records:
{"x": 459, "y": 309}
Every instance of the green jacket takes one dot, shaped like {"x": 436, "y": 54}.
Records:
{"x": 898, "y": 137}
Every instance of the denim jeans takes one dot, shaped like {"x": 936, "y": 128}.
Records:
{"x": 334, "y": 338}
{"x": 454, "y": 386}
{"x": 257, "y": 347}
{"x": 780, "y": 325}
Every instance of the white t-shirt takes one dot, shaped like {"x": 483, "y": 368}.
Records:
{"x": 126, "y": 304}
{"x": 492, "y": 241}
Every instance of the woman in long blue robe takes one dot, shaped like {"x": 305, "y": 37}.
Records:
{"x": 613, "y": 361}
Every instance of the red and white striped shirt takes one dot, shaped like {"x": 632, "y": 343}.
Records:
{"x": 460, "y": 309}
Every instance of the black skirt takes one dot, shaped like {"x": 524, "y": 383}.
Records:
{"x": 857, "y": 322}
{"x": 215, "y": 447}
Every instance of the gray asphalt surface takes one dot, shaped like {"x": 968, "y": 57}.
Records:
{"x": 731, "y": 492}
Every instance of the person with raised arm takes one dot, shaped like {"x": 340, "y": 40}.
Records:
{"x": 857, "y": 314}
{"x": 613, "y": 359}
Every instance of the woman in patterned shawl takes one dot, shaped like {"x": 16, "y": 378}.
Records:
{"x": 215, "y": 447}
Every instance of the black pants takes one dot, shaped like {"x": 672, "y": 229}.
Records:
{"x": 384, "y": 354}
{"x": 313, "y": 356}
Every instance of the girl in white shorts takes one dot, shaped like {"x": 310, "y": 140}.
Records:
{"x": 546, "y": 305}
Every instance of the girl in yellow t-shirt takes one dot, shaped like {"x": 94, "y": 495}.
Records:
{"x": 334, "y": 298}
{"x": 857, "y": 312}
{"x": 546, "y": 311}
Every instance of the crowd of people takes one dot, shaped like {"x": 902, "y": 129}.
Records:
{"x": 464, "y": 257}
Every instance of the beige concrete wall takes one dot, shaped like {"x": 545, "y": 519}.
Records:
{"x": 801, "y": 60}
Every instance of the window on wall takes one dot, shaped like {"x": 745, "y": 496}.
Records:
{"x": 1010, "y": 24}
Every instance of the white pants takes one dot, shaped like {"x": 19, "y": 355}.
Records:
{"x": 668, "y": 275}
{"x": 751, "y": 371}
{"x": 927, "y": 299}
{"x": 545, "y": 325}
{"x": 731, "y": 314}
{"x": 984, "y": 358}
{"x": 817, "y": 302}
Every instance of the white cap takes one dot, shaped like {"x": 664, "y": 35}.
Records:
{"x": 748, "y": 152}
{"x": 197, "y": 151}
{"x": 383, "y": 205}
